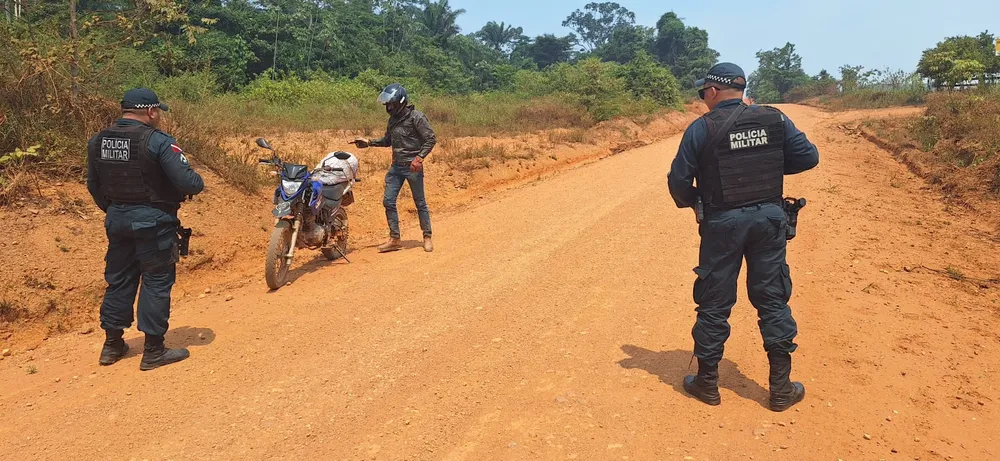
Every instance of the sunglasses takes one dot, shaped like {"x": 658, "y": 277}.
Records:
{"x": 701, "y": 92}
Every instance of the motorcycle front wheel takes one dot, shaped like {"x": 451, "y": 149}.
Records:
{"x": 276, "y": 269}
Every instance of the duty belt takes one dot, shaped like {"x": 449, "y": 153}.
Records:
{"x": 168, "y": 208}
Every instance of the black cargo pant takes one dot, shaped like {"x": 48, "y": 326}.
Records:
{"x": 758, "y": 234}
{"x": 142, "y": 249}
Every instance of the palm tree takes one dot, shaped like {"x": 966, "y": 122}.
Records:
{"x": 499, "y": 36}
{"x": 439, "y": 20}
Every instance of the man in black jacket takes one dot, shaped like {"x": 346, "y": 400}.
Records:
{"x": 412, "y": 139}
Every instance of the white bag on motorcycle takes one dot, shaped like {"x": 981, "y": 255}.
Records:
{"x": 329, "y": 178}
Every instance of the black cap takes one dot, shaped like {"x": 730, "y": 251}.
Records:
{"x": 725, "y": 73}
{"x": 142, "y": 98}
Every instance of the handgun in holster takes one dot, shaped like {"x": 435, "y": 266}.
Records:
{"x": 183, "y": 240}
{"x": 699, "y": 210}
{"x": 792, "y": 207}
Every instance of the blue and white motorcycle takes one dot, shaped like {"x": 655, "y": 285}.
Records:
{"x": 308, "y": 213}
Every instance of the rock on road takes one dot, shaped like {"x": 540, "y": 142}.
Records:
{"x": 553, "y": 322}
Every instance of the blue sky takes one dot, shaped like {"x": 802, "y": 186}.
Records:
{"x": 873, "y": 33}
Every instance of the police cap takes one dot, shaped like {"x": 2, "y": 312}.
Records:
{"x": 725, "y": 73}
{"x": 142, "y": 98}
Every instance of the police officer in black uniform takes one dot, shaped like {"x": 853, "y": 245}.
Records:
{"x": 139, "y": 176}
{"x": 739, "y": 154}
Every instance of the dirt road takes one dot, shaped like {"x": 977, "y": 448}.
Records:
{"x": 554, "y": 323}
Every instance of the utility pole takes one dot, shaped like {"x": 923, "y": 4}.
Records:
{"x": 274, "y": 61}
{"x": 310, "y": 56}
{"x": 74, "y": 67}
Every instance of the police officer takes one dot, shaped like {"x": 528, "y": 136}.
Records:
{"x": 739, "y": 153}
{"x": 412, "y": 140}
{"x": 139, "y": 176}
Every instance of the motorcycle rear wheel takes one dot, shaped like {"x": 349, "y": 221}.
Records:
{"x": 340, "y": 238}
{"x": 276, "y": 268}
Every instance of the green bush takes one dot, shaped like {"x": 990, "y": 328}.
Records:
{"x": 647, "y": 79}
{"x": 193, "y": 87}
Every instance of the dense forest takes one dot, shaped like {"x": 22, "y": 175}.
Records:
{"x": 310, "y": 64}
{"x": 239, "y": 41}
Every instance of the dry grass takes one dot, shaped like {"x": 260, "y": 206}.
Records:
{"x": 15, "y": 184}
{"x": 957, "y": 138}
{"x": 476, "y": 156}
{"x": 9, "y": 311}
{"x": 571, "y": 136}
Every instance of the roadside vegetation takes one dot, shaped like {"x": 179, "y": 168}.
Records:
{"x": 241, "y": 68}
{"x": 954, "y": 144}
{"x": 954, "y": 63}
{"x": 245, "y": 68}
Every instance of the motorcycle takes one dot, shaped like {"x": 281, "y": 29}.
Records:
{"x": 307, "y": 213}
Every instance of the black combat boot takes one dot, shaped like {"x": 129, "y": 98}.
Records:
{"x": 156, "y": 355}
{"x": 705, "y": 386}
{"x": 784, "y": 392}
{"x": 114, "y": 347}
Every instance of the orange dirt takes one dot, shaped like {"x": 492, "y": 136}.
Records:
{"x": 553, "y": 322}
{"x": 58, "y": 238}
{"x": 958, "y": 170}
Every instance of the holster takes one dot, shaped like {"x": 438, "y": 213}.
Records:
{"x": 699, "y": 210}
{"x": 183, "y": 239}
{"x": 791, "y": 206}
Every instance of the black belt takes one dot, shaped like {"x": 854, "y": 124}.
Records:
{"x": 710, "y": 207}
{"x": 168, "y": 208}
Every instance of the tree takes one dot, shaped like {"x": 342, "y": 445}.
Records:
{"x": 598, "y": 21}
{"x": 647, "y": 79}
{"x": 501, "y": 37}
{"x": 959, "y": 59}
{"x": 548, "y": 49}
{"x": 683, "y": 49}
{"x": 440, "y": 21}
{"x": 778, "y": 72}
{"x": 850, "y": 77}
{"x": 821, "y": 84}
{"x": 626, "y": 43}
{"x": 823, "y": 76}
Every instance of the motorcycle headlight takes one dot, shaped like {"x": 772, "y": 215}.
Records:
{"x": 290, "y": 187}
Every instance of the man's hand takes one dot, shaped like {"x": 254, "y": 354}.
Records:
{"x": 361, "y": 143}
{"x": 417, "y": 165}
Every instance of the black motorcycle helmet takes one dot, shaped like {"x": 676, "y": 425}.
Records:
{"x": 394, "y": 98}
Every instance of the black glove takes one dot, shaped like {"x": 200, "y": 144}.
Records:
{"x": 361, "y": 143}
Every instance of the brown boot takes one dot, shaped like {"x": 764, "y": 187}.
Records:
{"x": 428, "y": 244}
{"x": 394, "y": 244}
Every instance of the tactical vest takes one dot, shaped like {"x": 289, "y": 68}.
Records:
{"x": 747, "y": 163}
{"x": 125, "y": 169}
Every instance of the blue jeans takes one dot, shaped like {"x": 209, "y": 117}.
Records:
{"x": 393, "y": 184}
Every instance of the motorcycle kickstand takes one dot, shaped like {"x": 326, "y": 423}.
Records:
{"x": 344, "y": 255}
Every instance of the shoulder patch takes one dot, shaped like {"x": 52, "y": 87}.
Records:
{"x": 177, "y": 150}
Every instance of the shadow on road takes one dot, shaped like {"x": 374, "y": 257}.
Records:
{"x": 672, "y": 366}
{"x": 318, "y": 262}
{"x": 176, "y": 337}
{"x": 411, "y": 244}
